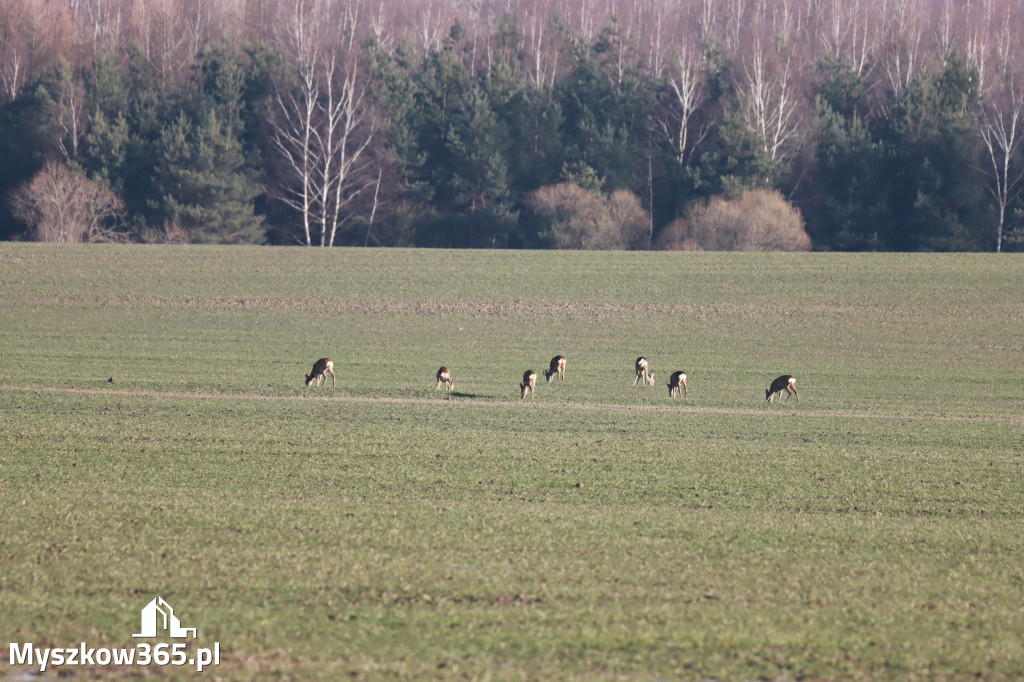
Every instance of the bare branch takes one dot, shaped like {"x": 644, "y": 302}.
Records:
{"x": 61, "y": 206}
{"x": 686, "y": 82}
{"x": 1002, "y": 129}
{"x": 770, "y": 105}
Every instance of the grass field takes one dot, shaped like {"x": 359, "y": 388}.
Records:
{"x": 383, "y": 530}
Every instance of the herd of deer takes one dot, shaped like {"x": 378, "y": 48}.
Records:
{"x": 786, "y": 382}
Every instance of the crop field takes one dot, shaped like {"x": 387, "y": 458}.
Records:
{"x": 157, "y": 440}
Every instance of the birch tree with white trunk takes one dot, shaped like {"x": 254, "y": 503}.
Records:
{"x": 771, "y": 106}
{"x": 686, "y": 83}
{"x": 321, "y": 129}
{"x": 1002, "y": 128}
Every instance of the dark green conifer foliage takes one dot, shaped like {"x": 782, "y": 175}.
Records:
{"x": 205, "y": 184}
{"x": 850, "y": 162}
{"x": 929, "y": 134}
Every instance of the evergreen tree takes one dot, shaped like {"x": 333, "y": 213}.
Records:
{"x": 396, "y": 90}
{"x": 441, "y": 87}
{"x": 534, "y": 119}
{"x": 851, "y": 167}
{"x": 933, "y": 188}
{"x": 26, "y": 142}
{"x": 606, "y": 107}
{"x": 732, "y": 159}
{"x": 222, "y": 86}
{"x": 205, "y": 185}
{"x": 108, "y": 86}
{"x": 105, "y": 156}
{"x": 479, "y": 183}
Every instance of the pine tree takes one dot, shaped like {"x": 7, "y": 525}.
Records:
{"x": 933, "y": 190}
{"x": 850, "y": 162}
{"x": 479, "y": 183}
{"x": 205, "y": 185}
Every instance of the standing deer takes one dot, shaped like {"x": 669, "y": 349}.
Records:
{"x": 784, "y": 383}
{"x": 557, "y": 368}
{"x": 321, "y": 368}
{"x": 677, "y": 380}
{"x": 643, "y": 371}
{"x": 529, "y": 383}
{"x": 445, "y": 377}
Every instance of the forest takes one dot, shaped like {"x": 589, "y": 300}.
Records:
{"x": 889, "y": 125}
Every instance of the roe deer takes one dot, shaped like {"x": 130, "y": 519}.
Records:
{"x": 643, "y": 371}
{"x": 557, "y": 367}
{"x": 677, "y": 380}
{"x": 445, "y": 377}
{"x": 321, "y": 368}
{"x": 784, "y": 383}
{"x": 529, "y": 383}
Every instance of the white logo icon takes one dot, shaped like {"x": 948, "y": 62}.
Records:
{"x": 150, "y": 621}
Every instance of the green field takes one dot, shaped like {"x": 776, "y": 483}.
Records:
{"x": 384, "y": 530}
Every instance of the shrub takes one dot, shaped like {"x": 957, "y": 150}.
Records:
{"x": 576, "y": 218}
{"x": 755, "y": 220}
{"x": 59, "y": 205}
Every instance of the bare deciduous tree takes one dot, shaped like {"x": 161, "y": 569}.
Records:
{"x": 33, "y": 35}
{"x": 59, "y": 205}
{"x": 540, "y": 58}
{"x": 1002, "y": 129}
{"x": 902, "y": 53}
{"x": 771, "y": 107}
{"x": 98, "y": 23}
{"x": 687, "y": 84}
{"x": 845, "y": 31}
{"x": 321, "y": 129}
{"x": 162, "y": 31}
{"x": 345, "y": 138}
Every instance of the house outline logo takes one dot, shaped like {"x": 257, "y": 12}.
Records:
{"x": 151, "y": 621}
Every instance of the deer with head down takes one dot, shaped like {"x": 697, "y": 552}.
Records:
{"x": 445, "y": 377}
{"x": 321, "y": 368}
{"x": 643, "y": 371}
{"x": 675, "y": 382}
{"x": 557, "y": 369}
{"x": 529, "y": 383}
{"x": 786, "y": 383}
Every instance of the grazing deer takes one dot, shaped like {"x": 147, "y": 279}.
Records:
{"x": 643, "y": 371}
{"x": 321, "y": 368}
{"x": 557, "y": 367}
{"x": 784, "y": 383}
{"x": 677, "y": 380}
{"x": 445, "y": 377}
{"x": 529, "y": 383}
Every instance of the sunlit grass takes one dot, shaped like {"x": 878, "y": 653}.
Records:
{"x": 383, "y": 529}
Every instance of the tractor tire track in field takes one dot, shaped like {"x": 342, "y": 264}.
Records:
{"x": 488, "y": 401}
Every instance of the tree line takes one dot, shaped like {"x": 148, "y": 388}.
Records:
{"x": 749, "y": 124}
